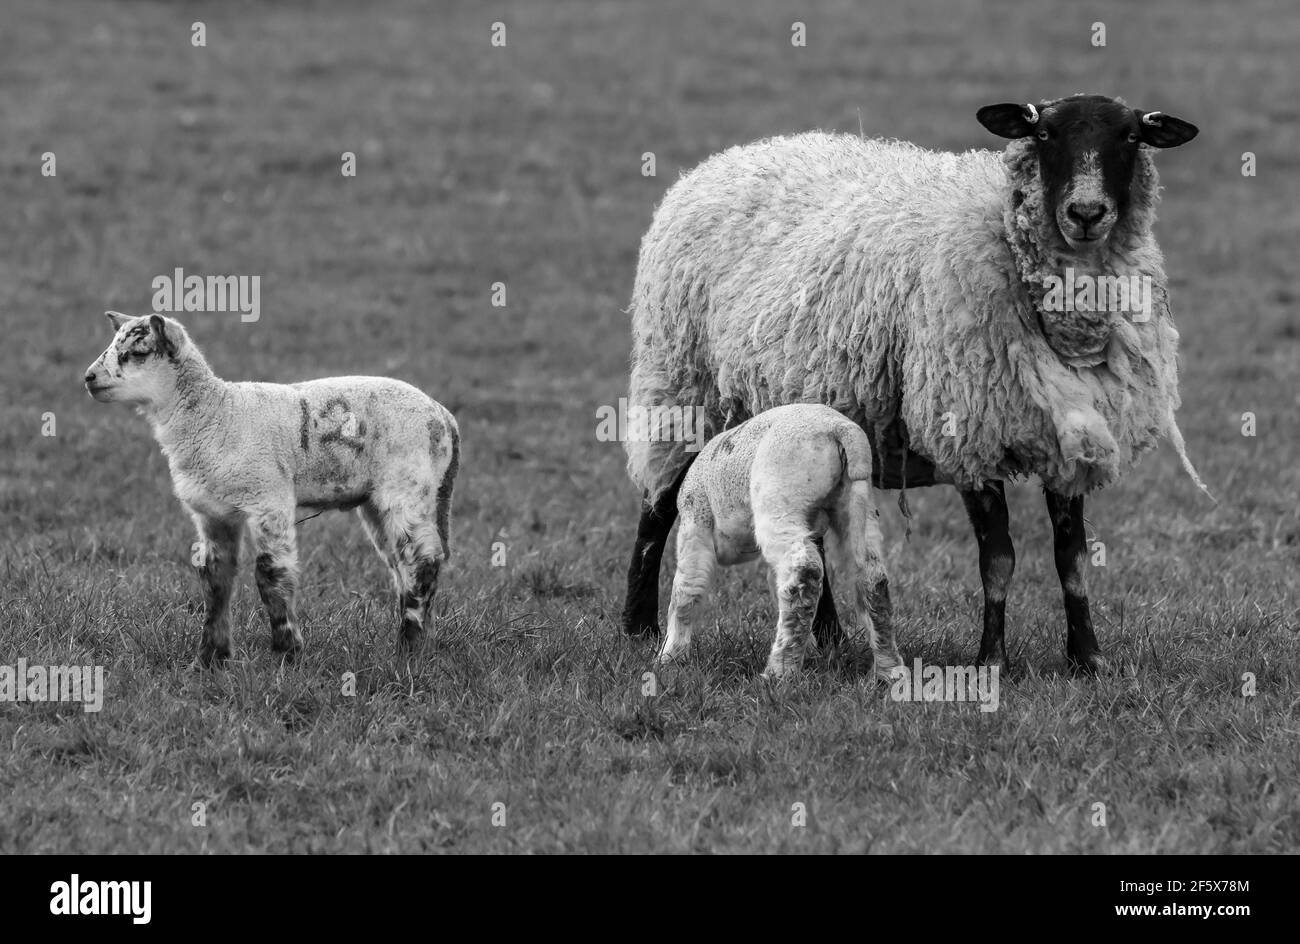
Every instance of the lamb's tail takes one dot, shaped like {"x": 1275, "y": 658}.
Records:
{"x": 855, "y": 452}
{"x": 445, "y": 489}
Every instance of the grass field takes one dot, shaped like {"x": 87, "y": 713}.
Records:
{"x": 522, "y": 165}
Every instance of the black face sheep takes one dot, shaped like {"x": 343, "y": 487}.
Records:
{"x": 775, "y": 486}
{"x": 244, "y": 456}
{"x": 921, "y": 294}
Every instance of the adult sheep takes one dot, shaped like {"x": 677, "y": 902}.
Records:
{"x": 913, "y": 290}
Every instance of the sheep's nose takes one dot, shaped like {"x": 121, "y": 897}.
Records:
{"x": 1086, "y": 214}
{"x": 90, "y": 375}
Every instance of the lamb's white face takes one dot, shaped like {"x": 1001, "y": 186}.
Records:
{"x": 138, "y": 367}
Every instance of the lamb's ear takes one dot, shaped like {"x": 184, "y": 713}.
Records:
{"x": 1163, "y": 131}
{"x": 1009, "y": 120}
{"x": 116, "y": 319}
{"x": 164, "y": 337}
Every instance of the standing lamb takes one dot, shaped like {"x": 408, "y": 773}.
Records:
{"x": 776, "y": 485}
{"x": 913, "y": 291}
{"x": 245, "y": 455}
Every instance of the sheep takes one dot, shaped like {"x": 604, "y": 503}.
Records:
{"x": 776, "y": 486}
{"x": 907, "y": 289}
{"x": 244, "y": 456}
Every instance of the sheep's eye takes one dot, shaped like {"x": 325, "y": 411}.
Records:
{"x": 1043, "y": 135}
{"x": 1132, "y": 137}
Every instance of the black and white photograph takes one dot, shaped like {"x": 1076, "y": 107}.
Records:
{"x": 626, "y": 427}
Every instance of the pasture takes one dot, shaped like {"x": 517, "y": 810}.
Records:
{"x": 523, "y": 165}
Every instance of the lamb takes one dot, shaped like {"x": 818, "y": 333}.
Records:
{"x": 912, "y": 291}
{"x": 244, "y": 456}
{"x": 778, "y": 485}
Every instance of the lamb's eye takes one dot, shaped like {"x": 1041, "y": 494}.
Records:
{"x": 1043, "y": 135}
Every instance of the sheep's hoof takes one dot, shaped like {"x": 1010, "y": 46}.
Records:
{"x": 643, "y": 625}
{"x": 994, "y": 655}
{"x": 1001, "y": 663}
{"x": 1089, "y": 663}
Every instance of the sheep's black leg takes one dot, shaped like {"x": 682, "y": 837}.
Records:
{"x": 641, "y": 608}
{"x": 987, "y": 509}
{"x": 1071, "y": 544}
{"x": 826, "y": 623}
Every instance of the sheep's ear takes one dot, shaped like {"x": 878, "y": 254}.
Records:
{"x": 1163, "y": 131}
{"x": 116, "y": 319}
{"x": 1009, "y": 120}
{"x": 163, "y": 336}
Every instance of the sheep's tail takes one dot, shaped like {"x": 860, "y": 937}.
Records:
{"x": 1176, "y": 440}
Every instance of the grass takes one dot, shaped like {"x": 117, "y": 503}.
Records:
{"x": 523, "y": 165}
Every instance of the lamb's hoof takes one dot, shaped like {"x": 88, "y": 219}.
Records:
{"x": 670, "y": 657}
{"x": 286, "y": 641}
{"x": 1089, "y": 663}
{"x": 410, "y": 639}
{"x": 781, "y": 670}
{"x": 885, "y": 669}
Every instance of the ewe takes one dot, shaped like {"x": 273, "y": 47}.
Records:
{"x": 776, "y": 485}
{"x": 913, "y": 291}
{"x": 243, "y": 456}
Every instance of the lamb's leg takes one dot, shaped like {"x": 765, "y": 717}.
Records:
{"x": 798, "y": 568}
{"x": 418, "y": 566}
{"x": 410, "y": 543}
{"x": 696, "y": 564}
{"x": 641, "y": 607}
{"x": 276, "y": 544}
{"x": 220, "y": 562}
{"x": 987, "y": 509}
{"x": 826, "y": 623}
{"x": 1081, "y": 647}
{"x": 856, "y": 547}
